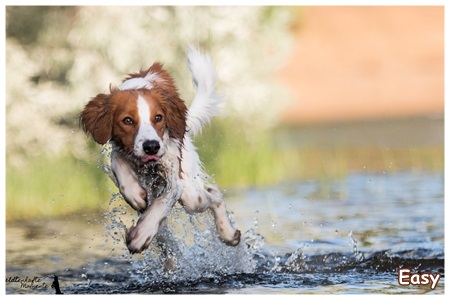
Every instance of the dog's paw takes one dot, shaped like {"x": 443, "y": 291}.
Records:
{"x": 137, "y": 240}
{"x": 135, "y": 197}
{"x": 235, "y": 240}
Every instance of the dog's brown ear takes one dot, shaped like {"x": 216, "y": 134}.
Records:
{"x": 175, "y": 110}
{"x": 174, "y": 107}
{"x": 96, "y": 118}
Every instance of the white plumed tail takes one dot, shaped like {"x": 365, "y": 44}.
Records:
{"x": 206, "y": 102}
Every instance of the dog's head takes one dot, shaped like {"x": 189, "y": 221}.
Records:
{"x": 140, "y": 116}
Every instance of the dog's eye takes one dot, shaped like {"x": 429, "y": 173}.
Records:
{"x": 128, "y": 121}
{"x": 158, "y": 118}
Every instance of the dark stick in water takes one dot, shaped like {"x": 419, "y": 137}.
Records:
{"x": 55, "y": 285}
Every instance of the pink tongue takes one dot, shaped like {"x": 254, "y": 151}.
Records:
{"x": 149, "y": 158}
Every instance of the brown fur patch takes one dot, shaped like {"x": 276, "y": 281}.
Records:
{"x": 199, "y": 199}
{"x": 96, "y": 118}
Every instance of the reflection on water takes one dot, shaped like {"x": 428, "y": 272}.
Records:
{"x": 341, "y": 236}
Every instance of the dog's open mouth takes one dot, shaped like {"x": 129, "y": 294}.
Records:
{"x": 150, "y": 158}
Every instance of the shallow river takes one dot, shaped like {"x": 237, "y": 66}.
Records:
{"x": 344, "y": 236}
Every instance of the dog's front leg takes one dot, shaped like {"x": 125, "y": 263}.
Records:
{"x": 140, "y": 236}
{"x": 127, "y": 183}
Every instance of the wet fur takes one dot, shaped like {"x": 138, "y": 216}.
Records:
{"x": 152, "y": 184}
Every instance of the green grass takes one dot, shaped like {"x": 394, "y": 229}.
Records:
{"x": 237, "y": 158}
{"x": 335, "y": 163}
{"x": 51, "y": 187}
{"x": 44, "y": 187}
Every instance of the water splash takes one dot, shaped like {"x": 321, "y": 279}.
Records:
{"x": 186, "y": 248}
{"x": 296, "y": 261}
{"x": 358, "y": 255}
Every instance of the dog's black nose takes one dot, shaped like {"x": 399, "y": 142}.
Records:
{"x": 151, "y": 147}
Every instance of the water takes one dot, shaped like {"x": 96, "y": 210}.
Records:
{"x": 312, "y": 237}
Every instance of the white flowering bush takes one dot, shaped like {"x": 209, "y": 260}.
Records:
{"x": 57, "y": 58}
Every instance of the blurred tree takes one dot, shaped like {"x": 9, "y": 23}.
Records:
{"x": 59, "y": 57}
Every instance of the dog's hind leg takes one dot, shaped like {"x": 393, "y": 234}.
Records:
{"x": 228, "y": 234}
{"x": 198, "y": 200}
